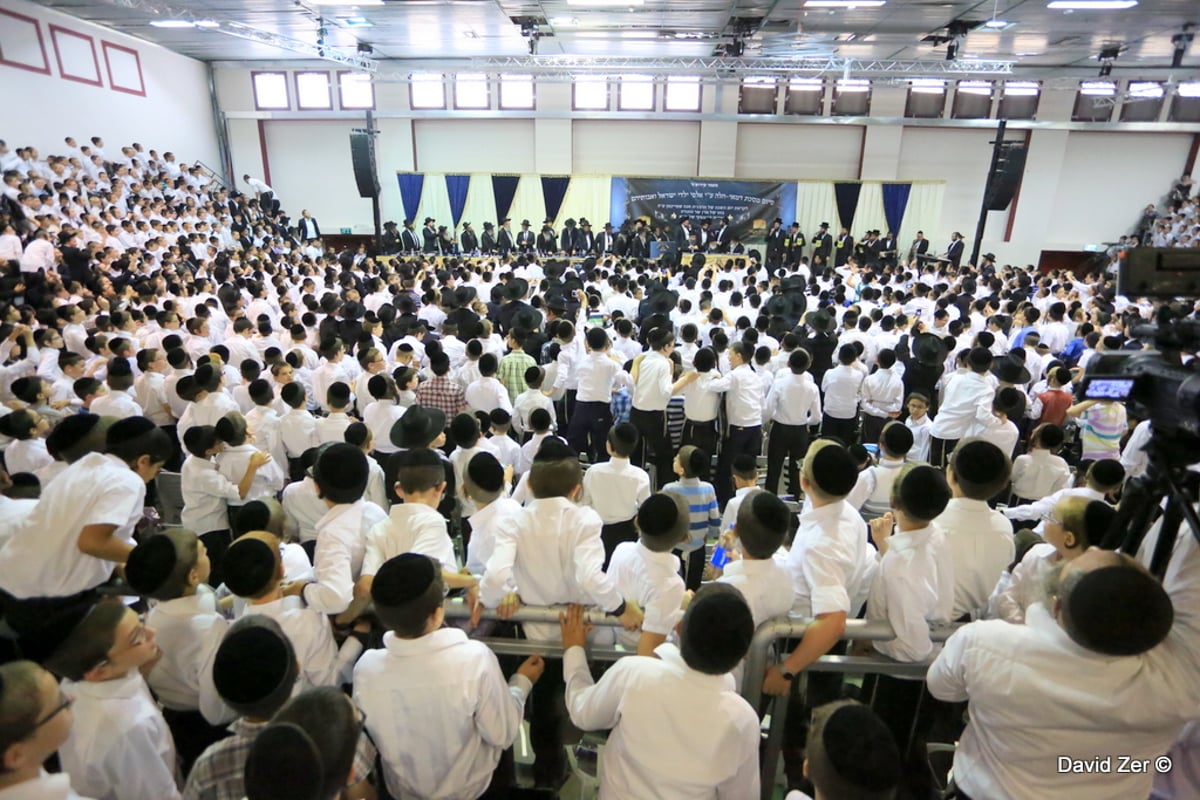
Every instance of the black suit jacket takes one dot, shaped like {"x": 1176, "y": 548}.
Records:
{"x": 469, "y": 242}
{"x": 488, "y": 243}
{"x": 504, "y": 241}
{"x": 547, "y": 242}
{"x": 955, "y": 252}
{"x": 605, "y": 242}
{"x": 822, "y": 245}
{"x": 409, "y": 241}
{"x": 309, "y": 229}
{"x": 525, "y": 241}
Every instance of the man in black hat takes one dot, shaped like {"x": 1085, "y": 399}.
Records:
{"x": 843, "y": 248}
{"x": 429, "y": 236}
{"x": 719, "y": 241}
{"x": 468, "y": 241}
{"x": 684, "y": 237}
{"x": 703, "y": 235}
{"x": 547, "y": 240}
{"x": 487, "y": 243}
{"x": 954, "y": 250}
{"x": 605, "y": 240}
{"x": 569, "y": 243}
{"x": 525, "y": 239}
{"x": 822, "y": 244}
{"x": 793, "y": 246}
{"x": 585, "y": 240}
{"x": 505, "y": 243}
{"x": 919, "y": 248}
{"x": 888, "y": 250}
{"x": 390, "y": 241}
{"x": 775, "y": 244}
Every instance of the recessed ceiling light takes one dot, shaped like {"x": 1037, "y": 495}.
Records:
{"x": 357, "y": 22}
{"x": 844, "y": 3}
{"x": 996, "y": 24}
{"x": 1092, "y": 5}
{"x": 346, "y": 2}
{"x": 171, "y": 23}
{"x": 853, "y": 85}
{"x": 606, "y": 3}
{"x": 1021, "y": 88}
{"x": 1189, "y": 89}
{"x": 1098, "y": 88}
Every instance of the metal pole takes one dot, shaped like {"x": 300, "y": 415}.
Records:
{"x": 997, "y": 147}
{"x": 375, "y": 178}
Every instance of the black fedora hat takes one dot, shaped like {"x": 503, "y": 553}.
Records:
{"x": 418, "y": 427}
{"x": 1011, "y": 370}
{"x": 465, "y": 295}
{"x": 663, "y": 302}
{"x": 821, "y": 322}
{"x": 516, "y": 289}
{"x": 928, "y": 348}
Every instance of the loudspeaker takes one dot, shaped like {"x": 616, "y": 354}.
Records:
{"x": 362, "y": 153}
{"x": 1002, "y": 184}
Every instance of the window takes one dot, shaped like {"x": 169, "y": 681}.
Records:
{"x": 590, "y": 94}
{"x": 1019, "y": 99}
{"x": 683, "y": 93}
{"x": 1143, "y": 102}
{"x": 851, "y": 97}
{"x": 805, "y": 96}
{"x": 1094, "y": 101}
{"x": 1185, "y": 107}
{"x": 471, "y": 90}
{"x": 758, "y": 96}
{"x": 636, "y": 93}
{"x": 516, "y": 92}
{"x": 270, "y": 91}
{"x": 926, "y": 98}
{"x": 426, "y": 91}
{"x": 313, "y": 90}
{"x": 972, "y": 100}
{"x": 356, "y": 91}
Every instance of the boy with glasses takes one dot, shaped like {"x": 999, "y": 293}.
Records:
{"x": 35, "y": 720}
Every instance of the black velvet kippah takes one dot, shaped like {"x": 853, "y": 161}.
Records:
{"x": 249, "y": 565}
{"x": 658, "y": 513}
{"x": 860, "y": 748}
{"x": 252, "y": 662}
{"x": 924, "y": 492}
{"x": 1118, "y": 611}
{"x": 833, "y": 471}
{"x": 150, "y": 564}
{"x": 403, "y": 578}
{"x": 485, "y": 472}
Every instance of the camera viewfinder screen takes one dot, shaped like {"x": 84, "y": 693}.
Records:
{"x": 1109, "y": 389}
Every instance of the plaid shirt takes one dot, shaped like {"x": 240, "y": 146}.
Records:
{"x": 218, "y": 773}
{"x": 512, "y": 372}
{"x": 442, "y": 393}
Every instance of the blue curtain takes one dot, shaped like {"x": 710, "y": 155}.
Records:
{"x": 846, "y": 195}
{"x": 504, "y": 189}
{"x": 456, "y": 188}
{"x": 895, "y": 200}
{"x": 410, "y": 193}
{"x": 554, "y": 190}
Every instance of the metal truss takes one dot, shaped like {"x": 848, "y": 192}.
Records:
{"x": 337, "y": 55}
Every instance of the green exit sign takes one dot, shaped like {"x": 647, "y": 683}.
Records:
{"x": 346, "y": 230}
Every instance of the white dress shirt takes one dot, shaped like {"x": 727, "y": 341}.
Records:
{"x": 743, "y": 389}
{"x": 325, "y": 376}
{"x": 150, "y": 394}
{"x": 206, "y": 496}
{"x": 333, "y": 427}
{"x": 652, "y": 581}
{"x": 298, "y": 432}
{"x": 42, "y": 558}
{"x": 712, "y": 750}
{"x": 599, "y": 374}
{"x": 652, "y": 390}
{"x": 1039, "y": 473}
{"x": 341, "y": 546}
{"x": 550, "y": 552}
{"x": 483, "y": 532}
{"x": 882, "y": 393}
{"x": 793, "y": 400}
{"x": 117, "y": 404}
{"x": 487, "y": 394}
{"x": 913, "y": 587}
{"x": 26, "y": 455}
{"x": 120, "y": 747}
{"x": 302, "y": 509}
{"x": 439, "y": 711}
{"x": 188, "y": 631}
{"x": 43, "y": 787}
{"x": 616, "y": 489}
{"x": 1025, "y": 585}
{"x": 921, "y": 428}
{"x": 232, "y": 462}
{"x": 700, "y": 402}
{"x": 840, "y": 386}
{"x": 831, "y": 562}
{"x": 981, "y": 546}
{"x": 968, "y": 401}
{"x": 380, "y": 416}
{"x": 321, "y": 661}
{"x": 409, "y": 528}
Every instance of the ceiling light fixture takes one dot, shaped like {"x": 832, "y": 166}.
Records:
{"x": 172, "y": 23}
{"x": 1098, "y": 88}
{"x": 1092, "y": 5}
{"x": 996, "y": 24}
{"x": 606, "y": 3}
{"x": 844, "y": 3}
{"x": 356, "y": 22}
{"x": 1022, "y": 88}
{"x": 207, "y": 23}
{"x": 1182, "y": 41}
{"x": 346, "y": 2}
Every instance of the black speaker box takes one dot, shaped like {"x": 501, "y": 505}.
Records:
{"x": 1002, "y": 184}
{"x": 362, "y": 153}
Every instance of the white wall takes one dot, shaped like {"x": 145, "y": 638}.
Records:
{"x": 41, "y": 109}
{"x": 772, "y": 151}
{"x": 636, "y": 147}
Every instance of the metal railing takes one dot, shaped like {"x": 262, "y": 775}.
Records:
{"x": 757, "y": 658}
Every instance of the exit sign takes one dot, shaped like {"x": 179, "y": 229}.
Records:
{"x": 346, "y": 230}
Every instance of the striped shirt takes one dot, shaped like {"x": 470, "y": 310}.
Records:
{"x": 1100, "y": 429}
{"x": 702, "y": 506}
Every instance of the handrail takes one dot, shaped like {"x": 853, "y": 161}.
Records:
{"x": 212, "y": 173}
{"x": 457, "y": 609}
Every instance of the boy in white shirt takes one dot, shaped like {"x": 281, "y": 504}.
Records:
{"x": 235, "y": 457}
{"x": 685, "y": 691}
{"x": 437, "y": 704}
{"x": 647, "y": 572}
{"x": 173, "y": 569}
{"x": 464, "y": 432}
{"x": 120, "y": 747}
{"x": 920, "y": 423}
{"x": 1040, "y": 473}
{"x": 616, "y": 489}
{"x": 37, "y": 720}
{"x": 359, "y": 435}
{"x": 297, "y": 429}
{"x": 414, "y": 525}
{"x": 117, "y": 402}
{"x": 486, "y": 393}
{"x": 254, "y": 572}
{"x": 332, "y": 428}
{"x": 540, "y": 426}
{"x": 484, "y": 482}
{"x": 872, "y": 495}
{"x": 503, "y": 446}
{"x": 530, "y": 400}
{"x": 998, "y": 428}
{"x": 881, "y": 396}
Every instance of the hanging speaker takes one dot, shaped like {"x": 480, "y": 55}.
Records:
{"x": 1002, "y": 184}
{"x": 362, "y": 153}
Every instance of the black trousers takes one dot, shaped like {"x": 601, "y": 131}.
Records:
{"x": 549, "y": 726}
{"x": 846, "y": 430}
{"x": 872, "y": 426}
{"x": 652, "y": 426}
{"x": 739, "y": 441}
{"x": 588, "y": 429}
{"x": 613, "y": 534}
{"x": 940, "y": 450}
{"x": 786, "y": 444}
{"x": 701, "y": 434}
{"x": 216, "y": 543}
{"x": 192, "y": 734}
{"x": 823, "y": 687}
{"x": 693, "y": 567}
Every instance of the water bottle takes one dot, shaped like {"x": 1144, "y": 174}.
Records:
{"x": 719, "y": 557}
